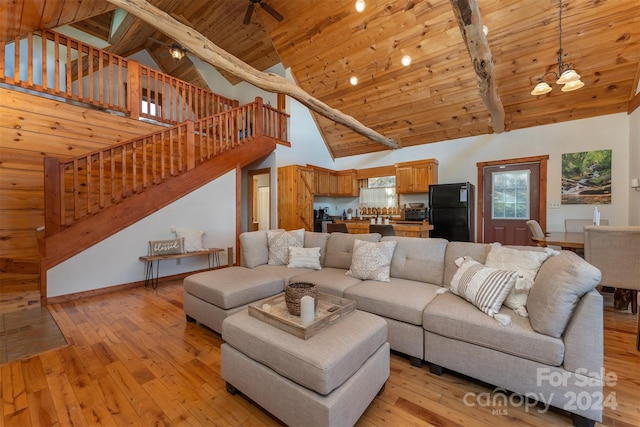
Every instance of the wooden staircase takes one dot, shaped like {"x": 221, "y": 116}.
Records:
{"x": 91, "y": 196}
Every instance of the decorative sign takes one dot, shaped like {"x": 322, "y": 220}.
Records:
{"x": 166, "y": 247}
{"x": 586, "y": 178}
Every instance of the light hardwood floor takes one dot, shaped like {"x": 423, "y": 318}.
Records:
{"x": 132, "y": 359}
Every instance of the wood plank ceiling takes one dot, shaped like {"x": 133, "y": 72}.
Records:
{"x": 436, "y": 98}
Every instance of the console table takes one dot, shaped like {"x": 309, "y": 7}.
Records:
{"x": 213, "y": 256}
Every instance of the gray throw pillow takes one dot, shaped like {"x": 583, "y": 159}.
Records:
{"x": 561, "y": 282}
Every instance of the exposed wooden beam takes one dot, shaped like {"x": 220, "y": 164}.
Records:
{"x": 199, "y": 45}
{"x": 467, "y": 14}
{"x": 634, "y": 103}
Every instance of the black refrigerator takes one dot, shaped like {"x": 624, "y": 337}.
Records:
{"x": 451, "y": 211}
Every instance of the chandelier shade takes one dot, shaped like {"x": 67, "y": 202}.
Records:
{"x": 568, "y": 76}
{"x": 570, "y": 86}
{"x": 541, "y": 88}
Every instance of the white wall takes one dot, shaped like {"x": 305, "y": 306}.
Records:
{"x": 634, "y": 166}
{"x": 458, "y": 159}
{"x": 307, "y": 144}
{"x": 114, "y": 261}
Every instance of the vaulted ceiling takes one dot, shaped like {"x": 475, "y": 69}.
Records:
{"x": 436, "y": 98}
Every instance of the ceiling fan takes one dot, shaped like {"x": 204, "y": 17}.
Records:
{"x": 271, "y": 11}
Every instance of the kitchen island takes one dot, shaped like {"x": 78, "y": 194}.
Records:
{"x": 401, "y": 228}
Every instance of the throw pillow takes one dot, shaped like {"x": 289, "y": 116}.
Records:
{"x": 192, "y": 238}
{"x": 482, "y": 286}
{"x": 526, "y": 263}
{"x": 559, "y": 285}
{"x": 371, "y": 261}
{"x": 304, "y": 258}
{"x": 280, "y": 242}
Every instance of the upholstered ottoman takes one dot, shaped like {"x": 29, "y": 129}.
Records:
{"x": 327, "y": 380}
{"x": 211, "y": 296}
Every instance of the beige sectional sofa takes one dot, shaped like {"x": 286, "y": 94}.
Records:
{"x": 554, "y": 356}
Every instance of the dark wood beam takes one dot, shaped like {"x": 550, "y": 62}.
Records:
{"x": 467, "y": 14}
{"x": 209, "y": 52}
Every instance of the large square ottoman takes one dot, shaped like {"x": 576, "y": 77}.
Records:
{"x": 327, "y": 380}
{"x": 211, "y": 296}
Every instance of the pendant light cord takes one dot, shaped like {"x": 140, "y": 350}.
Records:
{"x": 560, "y": 62}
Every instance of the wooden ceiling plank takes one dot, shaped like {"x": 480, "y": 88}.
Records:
{"x": 10, "y": 24}
{"x": 212, "y": 54}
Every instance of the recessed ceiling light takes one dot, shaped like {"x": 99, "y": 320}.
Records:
{"x": 353, "y": 80}
{"x": 485, "y": 30}
{"x": 360, "y": 5}
{"x": 406, "y": 60}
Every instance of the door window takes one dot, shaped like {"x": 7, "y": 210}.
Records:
{"x": 511, "y": 195}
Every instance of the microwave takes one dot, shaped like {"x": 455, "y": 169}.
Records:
{"x": 416, "y": 214}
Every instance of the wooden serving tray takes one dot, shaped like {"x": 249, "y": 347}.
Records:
{"x": 280, "y": 317}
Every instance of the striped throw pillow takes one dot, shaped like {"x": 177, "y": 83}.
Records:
{"x": 482, "y": 286}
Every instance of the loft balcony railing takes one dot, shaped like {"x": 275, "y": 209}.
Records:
{"x": 82, "y": 186}
{"x": 60, "y": 66}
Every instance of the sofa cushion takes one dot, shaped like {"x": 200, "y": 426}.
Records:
{"x": 254, "y": 248}
{"x": 371, "y": 260}
{"x": 234, "y": 286}
{"x": 328, "y": 280}
{"x": 455, "y": 250}
{"x": 418, "y": 259}
{"x": 304, "y": 258}
{"x": 484, "y": 287}
{"x": 279, "y": 243}
{"x": 526, "y": 262}
{"x": 282, "y": 271}
{"x": 340, "y": 248}
{"x": 453, "y": 317}
{"x": 324, "y": 362}
{"x": 400, "y": 299}
{"x": 317, "y": 240}
{"x": 561, "y": 282}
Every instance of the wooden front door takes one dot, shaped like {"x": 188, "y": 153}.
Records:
{"x": 512, "y": 194}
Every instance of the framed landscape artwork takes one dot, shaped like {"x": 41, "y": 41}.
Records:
{"x": 586, "y": 178}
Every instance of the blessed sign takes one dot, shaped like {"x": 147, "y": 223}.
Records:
{"x": 166, "y": 247}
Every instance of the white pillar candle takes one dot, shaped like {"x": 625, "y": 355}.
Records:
{"x": 307, "y": 308}
{"x": 266, "y": 307}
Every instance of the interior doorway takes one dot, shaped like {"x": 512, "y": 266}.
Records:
{"x": 511, "y": 192}
{"x": 259, "y": 206}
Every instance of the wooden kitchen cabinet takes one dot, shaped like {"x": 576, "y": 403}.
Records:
{"x": 296, "y": 187}
{"x": 415, "y": 177}
{"x": 335, "y": 184}
{"x": 347, "y": 183}
{"x": 326, "y": 182}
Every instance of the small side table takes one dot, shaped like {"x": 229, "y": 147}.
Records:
{"x": 213, "y": 256}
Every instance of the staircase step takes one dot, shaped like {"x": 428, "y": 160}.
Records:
{"x": 19, "y": 292}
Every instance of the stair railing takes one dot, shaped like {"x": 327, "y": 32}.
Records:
{"x": 85, "y": 185}
{"x": 54, "y": 64}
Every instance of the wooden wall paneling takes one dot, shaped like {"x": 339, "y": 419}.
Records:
{"x": 31, "y": 127}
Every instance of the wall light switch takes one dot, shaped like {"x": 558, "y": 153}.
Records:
{"x": 554, "y": 205}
